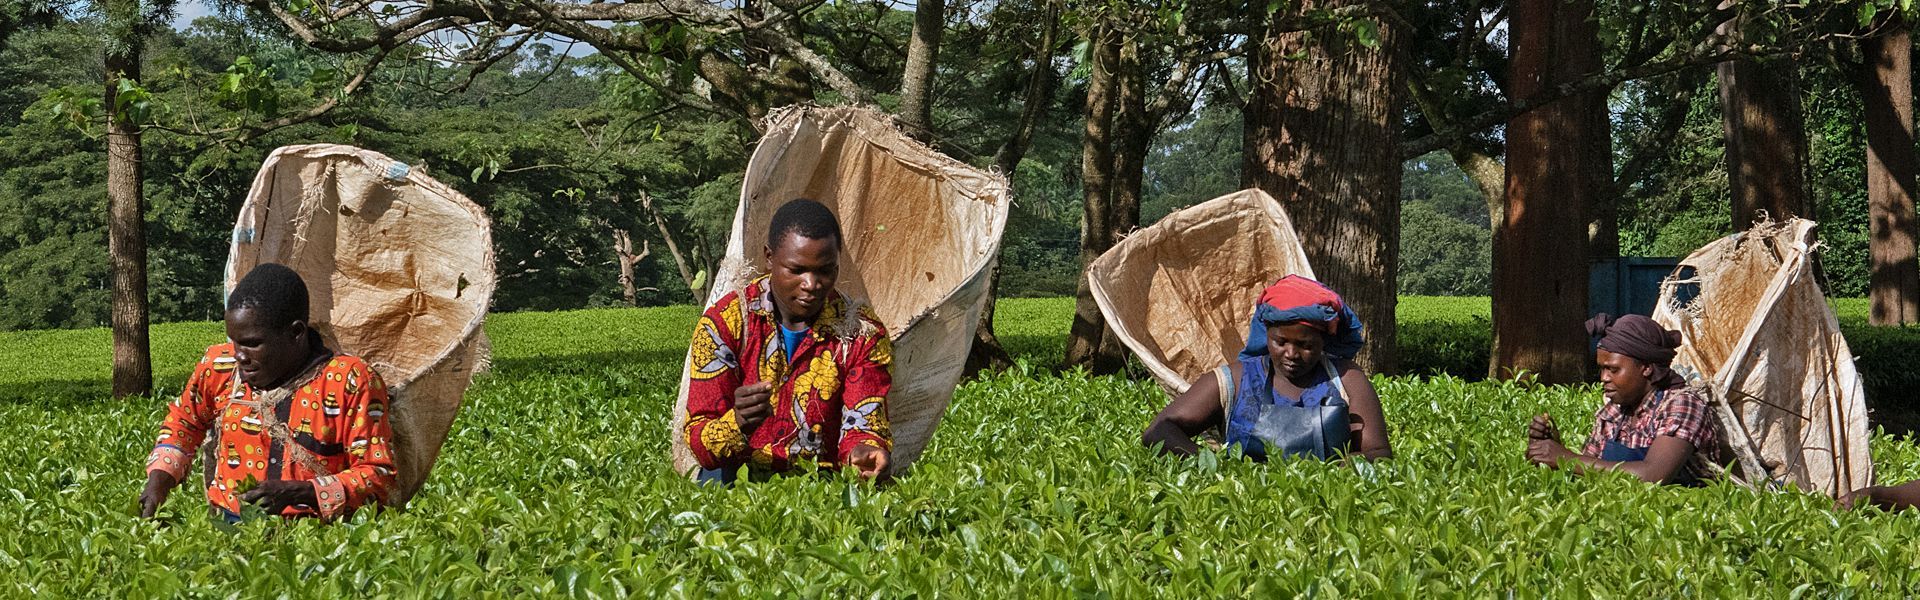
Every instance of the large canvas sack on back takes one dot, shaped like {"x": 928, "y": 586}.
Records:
{"x": 922, "y": 233}
{"x": 400, "y": 270}
{"x": 1179, "y": 293}
{"x": 1761, "y": 338}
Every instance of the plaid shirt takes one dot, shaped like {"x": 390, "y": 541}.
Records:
{"x": 1679, "y": 412}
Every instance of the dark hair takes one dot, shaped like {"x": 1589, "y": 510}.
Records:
{"x": 274, "y": 290}
{"x": 808, "y": 218}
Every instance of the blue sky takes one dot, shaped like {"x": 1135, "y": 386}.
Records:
{"x": 190, "y": 10}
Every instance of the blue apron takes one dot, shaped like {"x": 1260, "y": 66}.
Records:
{"x": 1261, "y": 421}
{"x": 1618, "y": 452}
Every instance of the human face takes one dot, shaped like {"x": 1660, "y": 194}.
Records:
{"x": 1623, "y": 379}
{"x": 266, "y": 354}
{"x": 802, "y": 271}
{"x": 1295, "y": 348}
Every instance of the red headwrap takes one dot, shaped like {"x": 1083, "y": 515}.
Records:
{"x": 1296, "y": 299}
{"x": 1294, "y": 292}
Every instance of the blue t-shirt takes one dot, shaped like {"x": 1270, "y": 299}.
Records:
{"x": 790, "y": 340}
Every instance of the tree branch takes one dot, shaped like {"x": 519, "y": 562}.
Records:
{"x": 1441, "y": 136}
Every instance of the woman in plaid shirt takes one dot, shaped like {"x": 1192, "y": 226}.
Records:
{"x": 1651, "y": 425}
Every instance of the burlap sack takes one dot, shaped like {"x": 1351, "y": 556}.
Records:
{"x": 1760, "y": 337}
{"x": 1179, "y": 293}
{"x": 400, "y": 270}
{"x": 922, "y": 229}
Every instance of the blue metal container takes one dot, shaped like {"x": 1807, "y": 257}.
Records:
{"x": 1627, "y": 285}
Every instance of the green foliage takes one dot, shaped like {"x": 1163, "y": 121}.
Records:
{"x": 53, "y": 267}
{"x": 519, "y": 135}
{"x": 1674, "y": 209}
{"x": 76, "y": 107}
{"x": 1450, "y": 336}
{"x": 249, "y": 87}
{"x": 1446, "y": 240}
{"x": 555, "y": 483}
{"x": 1838, "y": 139}
{"x": 1193, "y": 162}
{"x": 1441, "y": 255}
{"x": 132, "y": 103}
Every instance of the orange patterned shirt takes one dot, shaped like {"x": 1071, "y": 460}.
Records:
{"x": 828, "y": 398}
{"x": 339, "y": 417}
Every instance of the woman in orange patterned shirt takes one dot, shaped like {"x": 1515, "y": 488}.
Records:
{"x": 286, "y": 423}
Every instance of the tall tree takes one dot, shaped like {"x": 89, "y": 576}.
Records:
{"x": 1766, "y": 140}
{"x": 1885, "y": 82}
{"x": 1042, "y": 82}
{"x": 1323, "y": 112}
{"x": 923, "y": 54}
{"x": 128, "y": 26}
{"x": 1540, "y": 254}
{"x": 1131, "y": 48}
{"x": 1086, "y": 341}
{"x": 1766, "y": 143}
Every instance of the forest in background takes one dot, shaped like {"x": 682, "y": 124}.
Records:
{"x": 607, "y": 141}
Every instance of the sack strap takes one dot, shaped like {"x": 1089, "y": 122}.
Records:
{"x": 1224, "y": 375}
{"x": 266, "y": 405}
{"x": 1333, "y": 375}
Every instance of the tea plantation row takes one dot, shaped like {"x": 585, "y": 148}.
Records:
{"x": 554, "y": 483}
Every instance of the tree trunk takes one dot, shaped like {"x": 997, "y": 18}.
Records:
{"x": 1886, "y": 88}
{"x": 1603, "y": 215}
{"x": 1766, "y": 141}
{"x": 126, "y": 227}
{"x": 987, "y": 353}
{"x": 923, "y": 54}
{"x": 1039, "y": 96}
{"x": 1540, "y": 255}
{"x": 1486, "y": 172}
{"x": 1490, "y": 177}
{"x": 624, "y": 255}
{"x": 1322, "y": 126}
{"x": 680, "y": 262}
{"x": 1133, "y": 130}
{"x": 1097, "y": 162}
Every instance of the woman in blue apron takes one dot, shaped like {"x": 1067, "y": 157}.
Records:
{"x": 1651, "y": 425}
{"x": 1294, "y": 390}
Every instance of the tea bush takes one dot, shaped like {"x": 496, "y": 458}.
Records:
{"x": 555, "y": 484}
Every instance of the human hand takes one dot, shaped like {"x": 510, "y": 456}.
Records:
{"x": 1547, "y": 452}
{"x": 751, "y": 405}
{"x": 1856, "y": 499}
{"x": 275, "y": 496}
{"x": 1542, "y": 428}
{"x": 159, "y": 485}
{"x": 872, "y": 461}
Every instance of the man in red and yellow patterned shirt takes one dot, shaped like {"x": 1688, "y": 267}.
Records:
{"x": 277, "y": 408}
{"x": 788, "y": 370}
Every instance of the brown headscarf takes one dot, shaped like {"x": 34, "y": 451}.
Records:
{"x": 1641, "y": 339}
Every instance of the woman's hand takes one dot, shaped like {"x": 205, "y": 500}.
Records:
{"x": 1547, "y": 452}
{"x": 159, "y": 485}
{"x": 276, "y": 496}
{"x": 1542, "y": 428}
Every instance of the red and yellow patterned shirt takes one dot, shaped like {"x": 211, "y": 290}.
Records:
{"x": 339, "y": 417}
{"x": 837, "y": 381}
